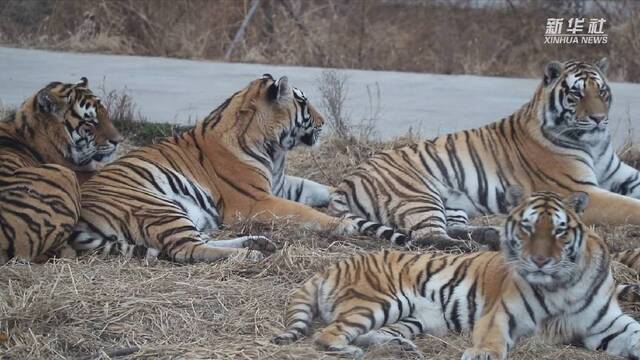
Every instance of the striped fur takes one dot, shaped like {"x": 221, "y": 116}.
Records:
{"x": 630, "y": 258}
{"x": 628, "y": 293}
{"x": 161, "y": 199}
{"x": 61, "y": 129}
{"x": 558, "y": 142}
{"x": 552, "y": 277}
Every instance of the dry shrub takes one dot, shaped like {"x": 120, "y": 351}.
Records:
{"x": 629, "y": 152}
{"x": 5, "y": 111}
{"x": 504, "y": 38}
{"x": 333, "y": 89}
{"x": 126, "y": 117}
{"x": 199, "y": 28}
{"x": 357, "y": 138}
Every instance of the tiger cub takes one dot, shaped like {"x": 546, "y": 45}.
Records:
{"x": 59, "y": 132}
{"x": 553, "y": 275}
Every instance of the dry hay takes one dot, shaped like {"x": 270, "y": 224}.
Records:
{"x": 92, "y": 308}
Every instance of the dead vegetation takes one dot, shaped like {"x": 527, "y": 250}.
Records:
{"x": 126, "y": 117}
{"x": 493, "y": 37}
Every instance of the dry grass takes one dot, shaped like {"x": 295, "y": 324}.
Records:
{"x": 125, "y": 116}
{"x": 92, "y": 308}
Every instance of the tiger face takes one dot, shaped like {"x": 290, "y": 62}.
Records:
{"x": 81, "y": 128}
{"x": 297, "y": 120}
{"x": 107, "y": 138}
{"x": 544, "y": 237}
{"x": 578, "y": 99}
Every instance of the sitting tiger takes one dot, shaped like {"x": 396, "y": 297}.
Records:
{"x": 60, "y": 130}
{"x": 553, "y": 276}
{"x": 558, "y": 142}
{"x": 161, "y": 199}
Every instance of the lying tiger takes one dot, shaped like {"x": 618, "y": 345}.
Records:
{"x": 162, "y": 199}
{"x": 559, "y": 142}
{"x": 61, "y": 131}
{"x": 553, "y": 276}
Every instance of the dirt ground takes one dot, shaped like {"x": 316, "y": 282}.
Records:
{"x": 93, "y": 308}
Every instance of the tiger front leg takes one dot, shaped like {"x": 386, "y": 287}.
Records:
{"x": 266, "y": 209}
{"x": 195, "y": 247}
{"x": 337, "y": 337}
{"x": 621, "y": 178}
{"x": 615, "y": 333}
{"x": 305, "y": 191}
{"x": 428, "y": 224}
{"x": 495, "y": 349}
{"x": 621, "y": 210}
{"x": 458, "y": 227}
{"x": 250, "y": 242}
{"x": 495, "y": 332}
{"x": 399, "y": 333}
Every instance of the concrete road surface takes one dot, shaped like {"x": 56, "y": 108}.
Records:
{"x": 182, "y": 91}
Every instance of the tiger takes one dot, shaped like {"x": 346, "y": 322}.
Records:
{"x": 425, "y": 193}
{"x": 630, "y": 258}
{"x": 552, "y": 277}
{"x": 164, "y": 199}
{"x": 60, "y": 131}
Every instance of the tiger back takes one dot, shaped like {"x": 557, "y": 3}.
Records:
{"x": 552, "y": 277}
{"x": 58, "y": 132}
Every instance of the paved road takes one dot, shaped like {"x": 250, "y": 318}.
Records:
{"x": 181, "y": 91}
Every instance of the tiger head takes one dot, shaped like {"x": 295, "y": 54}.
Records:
{"x": 544, "y": 238}
{"x": 286, "y": 117}
{"x": 576, "y": 99}
{"x": 74, "y": 121}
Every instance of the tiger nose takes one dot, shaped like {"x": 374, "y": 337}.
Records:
{"x": 540, "y": 260}
{"x": 598, "y": 118}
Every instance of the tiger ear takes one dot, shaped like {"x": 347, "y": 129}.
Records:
{"x": 552, "y": 71}
{"x": 577, "y": 201}
{"x": 84, "y": 82}
{"x": 602, "y": 65}
{"x": 45, "y": 101}
{"x": 514, "y": 196}
{"x": 280, "y": 89}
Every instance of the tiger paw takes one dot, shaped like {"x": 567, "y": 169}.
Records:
{"x": 443, "y": 242}
{"x": 254, "y": 256}
{"x": 487, "y": 236}
{"x": 346, "y": 226}
{"x": 408, "y": 346}
{"x": 481, "y": 354}
{"x": 633, "y": 351}
{"x": 261, "y": 245}
{"x": 348, "y": 351}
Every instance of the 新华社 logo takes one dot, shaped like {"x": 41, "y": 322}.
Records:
{"x": 575, "y": 31}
